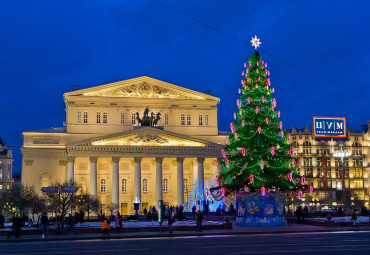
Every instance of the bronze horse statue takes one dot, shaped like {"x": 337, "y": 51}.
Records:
{"x": 147, "y": 120}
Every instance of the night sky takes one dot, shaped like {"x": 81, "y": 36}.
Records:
{"x": 317, "y": 52}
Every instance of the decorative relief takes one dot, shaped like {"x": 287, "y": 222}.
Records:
{"x": 187, "y": 167}
{"x": 103, "y": 166}
{"x": 145, "y": 166}
{"x": 143, "y": 89}
{"x": 166, "y": 167}
{"x": 82, "y": 166}
{"x": 45, "y": 140}
{"x": 28, "y": 162}
{"x": 148, "y": 139}
{"x": 124, "y": 167}
{"x": 207, "y": 166}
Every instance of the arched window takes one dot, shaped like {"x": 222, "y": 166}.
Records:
{"x": 145, "y": 185}
{"x": 356, "y": 148}
{"x": 200, "y": 120}
{"x": 122, "y": 118}
{"x": 186, "y": 185}
{"x": 133, "y": 118}
{"x": 165, "y": 185}
{"x": 85, "y": 117}
{"x": 124, "y": 185}
{"x": 105, "y": 117}
{"x": 182, "y": 119}
{"x": 166, "y": 118}
{"x": 102, "y": 186}
{"x": 206, "y": 119}
{"x": 98, "y": 117}
{"x": 78, "y": 117}
{"x": 188, "y": 119}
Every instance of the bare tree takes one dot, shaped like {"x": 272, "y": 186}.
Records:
{"x": 87, "y": 203}
{"x": 112, "y": 207}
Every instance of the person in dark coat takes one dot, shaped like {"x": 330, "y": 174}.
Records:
{"x": 199, "y": 220}
{"x": 71, "y": 224}
{"x": 45, "y": 223}
{"x": 2, "y": 221}
{"x": 193, "y": 209}
{"x": 145, "y": 211}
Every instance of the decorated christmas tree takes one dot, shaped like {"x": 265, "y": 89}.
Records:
{"x": 258, "y": 156}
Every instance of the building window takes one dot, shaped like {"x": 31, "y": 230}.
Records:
{"x": 166, "y": 118}
{"x": 145, "y": 185}
{"x": 102, "y": 186}
{"x": 124, "y": 185}
{"x": 98, "y": 117}
{"x": 188, "y": 119}
{"x": 9, "y": 175}
{"x": 356, "y": 149}
{"x": 133, "y": 118}
{"x": 78, "y": 117}
{"x": 8, "y": 186}
{"x": 358, "y": 162}
{"x": 358, "y": 173}
{"x": 306, "y": 147}
{"x": 200, "y": 120}
{"x": 182, "y": 119}
{"x": 1, "y": 173}
{"x": 186, "y": 185}
{"x": 358, "y": 184}
{"x": 105, "y": 117}
{"x": 206, "y": 119}
{"x": 165, "y": 185}
{"x": 122, "y": 118}
{"x": 1, "y": 186}
{"x": 85, "y": 117}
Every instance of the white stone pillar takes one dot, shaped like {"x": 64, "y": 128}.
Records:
{"x": 201, "y": 174}
{"x": 93, "y": 176}
{"x": 158, "y": 180}
{"x": 137, "y": 179}
{"x": 180, "y": 181}
{"x": 71, "y": 169}
{"x": 115, "y": 182}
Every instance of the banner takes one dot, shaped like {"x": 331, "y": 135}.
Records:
{"x": 324, "y": 172}
{"x": 258, "y": 210}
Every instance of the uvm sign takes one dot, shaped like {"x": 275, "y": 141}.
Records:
{"x": 329, "y": 127}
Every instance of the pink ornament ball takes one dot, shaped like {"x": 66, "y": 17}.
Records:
{"x": 263, "y": 191}
{"x": 245, "y": 64}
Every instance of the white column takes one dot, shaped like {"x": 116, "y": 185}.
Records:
{"x": 70, "y": 169}
{"x": 180, "y": 181}
{"x": 201, "y": 174}
{"x": 93, "y": 176}
{"x": 158, "y": 180}
{"x": 115, "y": 182}
{"x": 137, "y": 179}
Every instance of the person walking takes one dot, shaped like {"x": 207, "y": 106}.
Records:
{"x": 199, "y": 219}
{"x": 71, "y": 224}
{"x": 290, "y": 216}
{"x": 354, "y": 218}
{"x": 105, "y": 228}
{"x": 116, "y": 222}
{"x": 171, "y": 220}
{"x": 193, "y": 210}
{"x": 45, "y": 223}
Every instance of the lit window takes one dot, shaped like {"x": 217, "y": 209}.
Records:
{"x": 1, "y": 186}
{"x": 102, "y": 186}
{"x": 188, "y": 119}
{"x": 206, "y": 119}
{"x": 122, "y": 118}
{"x": 98, "y": 117}
{"x": 182, "y": 119}
{"x": 78, "y": 117}
{"x": 85, "y": 117}
{"x": 145, "y": 185}
{"x": 200, "y": 120}
{"x": 356, "y": 149}
{"x": 133, "y": 118}
{"x": 358, "y": 184}
{"x": 124, "y": 185}
{"x": 8, "y": 186}
{"x": 105, "y": 117}
{"x": 166, "y": 119}
{"x": 165, "y": 185}
{"x": 1, "y": 173}
{"x": 9, "y": 175}
{"x": 186, "y": 185}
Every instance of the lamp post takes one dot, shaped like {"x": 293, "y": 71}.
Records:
{"x": 136, "y": 203}
{"x": 342, "y": 155}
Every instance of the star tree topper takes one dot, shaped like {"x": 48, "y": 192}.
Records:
{"x": 255, "y": 42}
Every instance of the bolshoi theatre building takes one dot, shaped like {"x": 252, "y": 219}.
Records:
{"x": 140, "y": 137}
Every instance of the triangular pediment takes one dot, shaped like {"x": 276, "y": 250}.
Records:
{"x": 141, "y": 87}
{"x": 147, "y": 136}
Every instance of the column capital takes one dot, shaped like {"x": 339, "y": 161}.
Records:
{"x": 200, "y": 159}
{"x": 71, "y": 159}
{"x": 138, "y": 159}
{"x": 159, "y": 159}
{"x": 94, "y": 159}
{"x": 116, "y": 159}
{"x": 180, "y": 159}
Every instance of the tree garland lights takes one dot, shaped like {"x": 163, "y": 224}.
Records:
{"x": 257, "y": 155}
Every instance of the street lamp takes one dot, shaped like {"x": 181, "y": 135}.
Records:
{"x": 136, "y": 203}
{"x": 342, "y": 155}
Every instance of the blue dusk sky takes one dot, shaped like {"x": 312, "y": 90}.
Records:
{"x": 317, "y": 52}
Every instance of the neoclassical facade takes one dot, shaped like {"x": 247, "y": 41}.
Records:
{"x": 103, "y": 149}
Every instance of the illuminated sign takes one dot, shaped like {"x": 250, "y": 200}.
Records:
{"x": 329, "y": 127}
